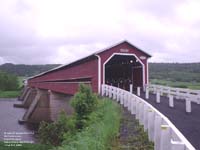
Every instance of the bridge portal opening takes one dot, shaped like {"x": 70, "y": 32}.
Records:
{"x": 123, "y": 70}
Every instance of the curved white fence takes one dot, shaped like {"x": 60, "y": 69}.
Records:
{"x": 160, "y": 130}
{"x": 179, "y": 93}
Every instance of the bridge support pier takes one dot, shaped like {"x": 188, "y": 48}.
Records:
{"x": 28, "y": 97}
{"x": 39, "y": 108}
{"x": 44, "y": 105}
{"x": 23, "y": 93}
{"x": 59, "y": 102}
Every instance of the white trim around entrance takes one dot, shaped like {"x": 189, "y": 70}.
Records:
{"x": 99, "y": 73}
{"x": 124, "y": 54}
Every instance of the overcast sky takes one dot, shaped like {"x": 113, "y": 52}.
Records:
{"x": 60, "y": 31}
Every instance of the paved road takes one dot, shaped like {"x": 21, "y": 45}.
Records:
{"x": 188, "y": 124}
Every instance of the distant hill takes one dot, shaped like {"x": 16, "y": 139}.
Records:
{"x": 183, "y": 72}
{"x": 26, "y": 70}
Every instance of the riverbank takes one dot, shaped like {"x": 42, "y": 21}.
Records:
{"x": 9, "y": 94}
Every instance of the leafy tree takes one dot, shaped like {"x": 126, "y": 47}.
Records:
{"x": 8, "y": 82}
{"x": 84, "y": 102}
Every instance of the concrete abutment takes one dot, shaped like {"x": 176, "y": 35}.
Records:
{"x": 44, "y": 105}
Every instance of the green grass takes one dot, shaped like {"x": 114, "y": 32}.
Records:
{"x": 9, "y": 94}
{"x": 190, "y": 85}
{"x": 25, "y": 147}
{"x": 102, "y": 128}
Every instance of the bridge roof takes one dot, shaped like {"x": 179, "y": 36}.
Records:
{"x": 88, "y": 58}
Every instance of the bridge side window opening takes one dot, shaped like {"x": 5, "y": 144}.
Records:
{"x": 121, "y": 71}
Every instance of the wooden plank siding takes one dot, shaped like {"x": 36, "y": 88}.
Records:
{"x": 67, "y": 78}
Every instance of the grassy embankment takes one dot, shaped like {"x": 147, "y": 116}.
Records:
{"x": 13, "y": 93}
{"x": 103, "y": 127}
{"x": 179, "y": 84}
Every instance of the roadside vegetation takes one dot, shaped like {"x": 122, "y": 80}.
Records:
{"x": 94, "y": 125}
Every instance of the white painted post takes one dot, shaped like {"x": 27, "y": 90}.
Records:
{"x": 129, "y": 102}
{"x": 151, "y": 117}
{"x": 165, "y": 140}
{"x": 160, "y": 89}
{"x": 133, "y": 108}
{"x": 177, "y": 93}
{"x": 121, "y": 97}
{"x": 145, "y": 117}
{"x": 137, "y": 109}
{"x": 141, "y": 113}
{"x": 171, "y": 101}
{"x": 113, "y": 93}
{"x": 177, "y": 145}
{"x": 131, "y": 88}
{"x": 107, "y": 90}
{"x": 147, "y": 93}
{"x": 168, "y": 91}
{"x": 157, "y": 132}
{"x": 188, "y": 105}
{"x": 118, "y": 94}
{"x": 102, "y": 90}
{"x": 158, "y": 96}
{"x": 110, "y": 91}
{"x": 144, "y": 88}
{"x": 125, "y": 99}
{"x": 138, "y": 91}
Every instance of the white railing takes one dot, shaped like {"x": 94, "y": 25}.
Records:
{"x": 179, "y": 93}
{"x": 160, "y": 130}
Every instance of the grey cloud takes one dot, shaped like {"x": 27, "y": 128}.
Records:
{"x": 20, "y": 42}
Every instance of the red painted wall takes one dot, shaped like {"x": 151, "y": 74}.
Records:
{"x": 106, "y": 54}
{"x": 86, "y": 69}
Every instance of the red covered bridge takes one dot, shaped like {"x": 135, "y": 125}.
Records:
{"x": 49, "y": 92}
{"x": 118, "y": 65}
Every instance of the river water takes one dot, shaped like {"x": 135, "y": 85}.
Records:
{"x": 9, "y": 125}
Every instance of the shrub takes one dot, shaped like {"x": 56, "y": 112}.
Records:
{"x": 53, "y": 133}
{"x": 84, "y": 102}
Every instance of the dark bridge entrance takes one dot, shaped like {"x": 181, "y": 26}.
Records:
{"x": 123, "y": 70}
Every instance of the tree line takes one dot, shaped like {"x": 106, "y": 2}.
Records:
{"x": 183, "y": 72}
{"x": 8, "y": 82}
{"x": 187, "y": 72}
{"x": 26, "y": 70}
